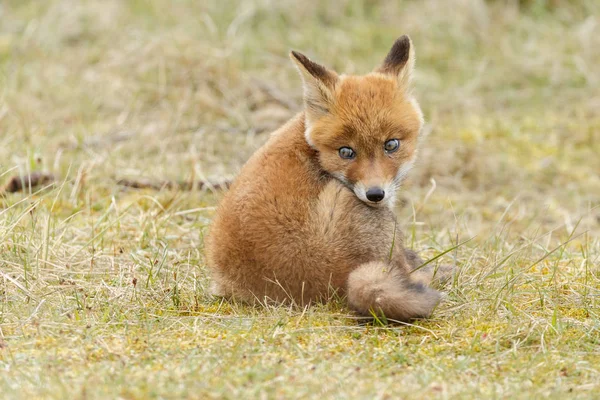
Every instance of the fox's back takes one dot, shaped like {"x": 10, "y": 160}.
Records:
{"x": 277, "y": 182}
{"x": 264, "y": 219}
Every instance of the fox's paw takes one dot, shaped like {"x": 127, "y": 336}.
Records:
{"x": 217, "y": 290}
{"x": 436, "y": 276}
{"x": 442, "y": 275}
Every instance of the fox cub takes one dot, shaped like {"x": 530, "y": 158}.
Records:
{"x": 311, "y": 213}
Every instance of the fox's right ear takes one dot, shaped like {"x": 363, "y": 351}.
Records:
{"x": 319, "y": 84}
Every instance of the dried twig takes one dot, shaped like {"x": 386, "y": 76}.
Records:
{"x": 21, "y": 183}
{"x": 178, "y": 185}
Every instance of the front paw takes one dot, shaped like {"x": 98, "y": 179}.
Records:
{"x": 434, "y": 276}
{"x": 442, "y": 275}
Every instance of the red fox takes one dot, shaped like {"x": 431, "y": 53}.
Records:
{"x": 311, "y": 213}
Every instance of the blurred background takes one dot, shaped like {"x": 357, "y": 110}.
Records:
{"x": 170, "y": 90}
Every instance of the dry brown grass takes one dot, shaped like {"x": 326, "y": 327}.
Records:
{"x": 103, "y": 288}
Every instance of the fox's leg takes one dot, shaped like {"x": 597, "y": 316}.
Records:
{"x": 380, "y": 288}
{"x": 413, "y": 258}
{"x": 427, "y": 275}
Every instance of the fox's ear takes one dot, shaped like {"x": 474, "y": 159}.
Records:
{"x": 319, "y": 84}
{"x": 400, "y": 61}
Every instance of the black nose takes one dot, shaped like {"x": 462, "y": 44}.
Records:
{"x": 375, "y": 194}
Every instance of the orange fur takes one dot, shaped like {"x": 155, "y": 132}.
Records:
{"x": 296, "y": 226}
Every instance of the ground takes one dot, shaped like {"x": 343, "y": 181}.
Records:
{"x": 104, "y": 289}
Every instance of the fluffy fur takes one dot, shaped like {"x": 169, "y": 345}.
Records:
{"x": 296, "y": 225}
{"x": 376, "y": 288}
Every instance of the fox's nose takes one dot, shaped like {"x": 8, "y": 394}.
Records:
{"x": 375, "y": 194}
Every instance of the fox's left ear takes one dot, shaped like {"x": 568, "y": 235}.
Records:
{"x": 400, "y": 61}
{"x": 319, "y": 84}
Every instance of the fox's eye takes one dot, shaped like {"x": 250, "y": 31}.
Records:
{"x": 347, "y": 153}
{"x": 391, "y": 145}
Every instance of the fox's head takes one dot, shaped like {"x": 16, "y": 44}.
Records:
{"x": 365, "y": 128}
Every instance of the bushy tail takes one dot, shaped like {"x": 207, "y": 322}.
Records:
{"x": 376, "y": 287}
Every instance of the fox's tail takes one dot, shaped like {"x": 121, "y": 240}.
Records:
{"x": 377, "y": 288}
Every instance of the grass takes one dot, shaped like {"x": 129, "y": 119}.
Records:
{"x": 103, "y": 289}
